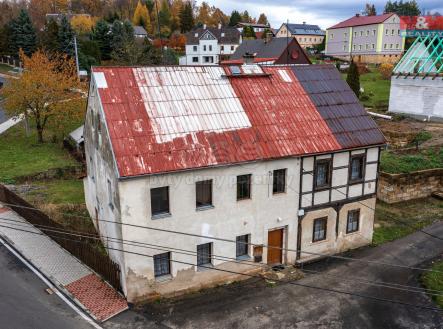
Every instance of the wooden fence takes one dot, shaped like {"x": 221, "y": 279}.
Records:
{"x": 84, "y": 248}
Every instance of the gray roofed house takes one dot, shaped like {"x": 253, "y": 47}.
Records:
{"x": 307, "y": 35}
{"x": 224, "y": 34}
{"x": 273, "y": 51}
{"x": 140, "y": 32}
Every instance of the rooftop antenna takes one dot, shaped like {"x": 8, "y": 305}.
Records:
{"x": 287, "y": 41}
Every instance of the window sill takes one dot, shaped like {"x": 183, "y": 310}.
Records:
{"x": 322, "y": 188}
{"x": 163, "y": 278}
{"x": 205, "y": 267}
{"x": 244, "y": 199}
{"x": 319, "y": 241}
{"x": 355, "y": 182}
{"x": 203, "y": 208}
{"x": 278, "y": 193}
{"x": 162, "y": 215}
{"x": 352, "y": 233}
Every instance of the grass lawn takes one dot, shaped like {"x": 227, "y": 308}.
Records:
{"x": 405, "y": 163}
{"x": 434, "y": 280}
{"x": 5, "y": 68}
{"x": 415, "y": 213}
{"x": 376, "y": 90}
{"x": 57, "y": 191}
{"x": 21, "y": 155}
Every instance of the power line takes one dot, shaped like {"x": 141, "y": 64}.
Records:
{"x": 379, "y": 299}
{"x": 223, "y": 258}
{"x": 233, "y": 241}
{"x": 373, "y": 209}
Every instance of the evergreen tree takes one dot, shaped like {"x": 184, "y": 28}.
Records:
{"x": 23, "y": 35}
{"x": 66, "y": 37}
{"x": 245, "y": 17}
{"x": 5, "y": 33}
{"x": 101, "y": 34}
{"x": 248, "y": 32}
{"x": 88, "y": 54}
{"x": 401, "y": 8}
{"x": 235, "y": 18}
{"x": 141, "y": 16}
{"x": 186, "y": 18}
{"x": 50, "y": 36}
{"x": 164, "y": 18}
{"x": 353, "y": 78}
{"x": 370, "y": 10}
{"x": 124, "y": 48}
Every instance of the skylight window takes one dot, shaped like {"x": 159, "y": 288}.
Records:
{"x": 235, "y": 70}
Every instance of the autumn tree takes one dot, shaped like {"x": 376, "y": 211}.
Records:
{"x": 47, "y": 92}
{"x": 262, "y": 19}
{"x": 246, "y": 18}
{"x": 82, "y": 24}
{"x": 177, "y": 41}
{"x": 176, "y": 8}
{"x": 204, "y": 14}
{"x": 218, "y": 17}
{"x": 141, "y": 16}
{"x": 370, "y": 10}
{"x": 235, "y": 18}
{"x": 23, "y": 34}
{"x": 66, "y": 37}
{"x": 186, "y": 18}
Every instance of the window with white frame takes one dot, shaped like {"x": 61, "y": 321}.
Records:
{"x": 194, "y": 48}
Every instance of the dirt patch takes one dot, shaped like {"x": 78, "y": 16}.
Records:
{"x": 403, "y": 132}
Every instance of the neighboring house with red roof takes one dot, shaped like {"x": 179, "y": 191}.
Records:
{"x": 270, "y": 51}
{"x": 367, "y": 39}
{"x": 245, "y": 160}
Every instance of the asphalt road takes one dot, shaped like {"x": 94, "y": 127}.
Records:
{"x": 24, "y": 304}
{"x": 252, "y": 304}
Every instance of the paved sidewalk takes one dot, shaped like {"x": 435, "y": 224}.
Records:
{"x": 86, "y": 288}
{"x": 10, "y": 123}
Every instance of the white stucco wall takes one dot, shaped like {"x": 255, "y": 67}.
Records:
{"x": 228, "y": 219}
{"x": 417, "y": 96}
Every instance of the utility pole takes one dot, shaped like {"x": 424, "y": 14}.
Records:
{"x": 76, "y": 57}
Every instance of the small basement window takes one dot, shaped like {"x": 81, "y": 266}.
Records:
{"x": 244, "y": 187}
{"x": 162, "y": 264}
{"x": 319, "y": 232}
{"x": 160, "y": 200}
{"x": 353, "y": 222}
{"x": 204, "y": 254}
{"x": 242, "y": 246}
{"x": 203, "y": 191}
{"x": 279, "y": 181}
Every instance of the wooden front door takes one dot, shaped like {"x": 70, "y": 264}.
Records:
{"x": 275, "y": 239}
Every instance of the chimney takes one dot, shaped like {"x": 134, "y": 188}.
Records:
{"x": 204, "y": 26}
{"x": 268, "y": 37}
{"x": 248, "y": 58}
{"x": 357, "y": 15}
{"x": 219, "y": 26}
{"x": 304, "y": 23}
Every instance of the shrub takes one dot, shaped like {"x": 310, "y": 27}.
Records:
{"x": 385, "y": 70}
{"x": 422, "y": 137}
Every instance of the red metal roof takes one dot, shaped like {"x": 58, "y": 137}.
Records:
{"x": 362, "y": 20}
{"x": 164, "y": 119}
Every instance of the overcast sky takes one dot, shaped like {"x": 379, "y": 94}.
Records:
{"x": 321, "y": 12}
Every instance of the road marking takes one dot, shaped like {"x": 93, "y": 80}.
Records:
{"x": 51, "y": 286}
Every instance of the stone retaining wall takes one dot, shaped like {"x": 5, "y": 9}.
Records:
{"x": 394, "y": 188}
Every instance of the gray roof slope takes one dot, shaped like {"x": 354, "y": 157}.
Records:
{"x": 140, "y": 30}
{"x": 231, "y": 35}
{"x": 271, "y": 49}
{"x": 305, "y": 29}
{"x": 338, "y": 106}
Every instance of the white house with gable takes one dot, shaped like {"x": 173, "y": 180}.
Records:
{"x": 196, "y": 175}
{"x": 210, "y": 45}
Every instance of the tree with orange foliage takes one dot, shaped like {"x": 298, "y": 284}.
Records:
{"x": 48, "y": 92}
{"x": 82, "y": 24}
{"x": 141, "y": 16}
{"x": 177, "y": 41}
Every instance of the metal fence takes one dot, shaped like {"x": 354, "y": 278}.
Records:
{"x": 81, "y": 247}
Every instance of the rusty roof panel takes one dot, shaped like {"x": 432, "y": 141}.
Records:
{"x": 163, "y": 119}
